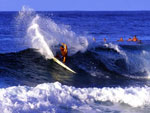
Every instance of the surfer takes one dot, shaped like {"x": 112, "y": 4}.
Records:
{"x": 104, "y": 39}
{"x": 135, "y": 39}
{"x": 64, "y": 51}
{"x": 94, "y": 39}
{"x": 129, "y": 39}
{"x": 121, "y": 39}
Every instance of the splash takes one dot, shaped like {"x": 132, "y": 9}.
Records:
{"x": 38, "y": 40}
{"x": 55, "y": 34}
{"x": 24, "y": 17}
{"x": 46, "y": 36}
{"x": 25, "y": 11}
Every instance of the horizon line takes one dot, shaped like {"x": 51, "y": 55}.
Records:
{"x": 75, "y": 10}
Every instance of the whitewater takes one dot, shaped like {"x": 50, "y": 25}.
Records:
{"x": 55, "y": 97}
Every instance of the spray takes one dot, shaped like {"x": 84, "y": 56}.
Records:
{"x": 37, "y": 39}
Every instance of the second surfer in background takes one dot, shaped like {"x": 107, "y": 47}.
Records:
{"x": 64, "y": 51}
{"x": 129, "y": 39}
{"x": 94, "y": 39}
{"x": 135, "y": 39}
{"x": 104, "y": 39}
{"x": 121, "y": 40}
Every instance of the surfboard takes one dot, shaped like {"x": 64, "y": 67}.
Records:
{"x": 63, "y": 65}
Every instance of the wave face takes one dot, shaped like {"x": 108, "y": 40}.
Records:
{"x": 129, "y": 60}
{"x": 56, "y": 98}
{"x": 111, "y": 76}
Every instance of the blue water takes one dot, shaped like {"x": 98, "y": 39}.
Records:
{"x": 111, "y": 76}
{"x": 111, "y": 25}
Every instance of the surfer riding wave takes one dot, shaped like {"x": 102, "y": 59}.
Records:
{"x": 64, "y": 52}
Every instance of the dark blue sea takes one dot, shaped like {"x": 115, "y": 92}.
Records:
{"x": 111, "y": 76}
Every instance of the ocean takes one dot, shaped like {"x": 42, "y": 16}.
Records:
{"x": 111, "y": 76}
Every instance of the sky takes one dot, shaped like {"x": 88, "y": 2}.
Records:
{"x": 75, "y": 5}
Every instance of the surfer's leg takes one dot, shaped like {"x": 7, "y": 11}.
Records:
{"x": 64, "y": 59}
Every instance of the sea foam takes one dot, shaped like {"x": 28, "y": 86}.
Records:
{"x": 55, "y": 97}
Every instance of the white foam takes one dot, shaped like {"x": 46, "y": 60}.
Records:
{"x": 54, "y": 97}
{"x": 115, "y": 47}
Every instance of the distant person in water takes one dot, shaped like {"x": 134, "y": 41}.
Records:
{"x": 64, "y": 51}
{"x": 129, "y": 39}
{"x": 104, "y": 39}
{"x": 94, "y": 39}
{"x": 121, "y": 39}
{"x": 135, "y": 39}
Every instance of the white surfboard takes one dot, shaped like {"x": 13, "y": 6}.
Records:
{"x": 63, "y": 65}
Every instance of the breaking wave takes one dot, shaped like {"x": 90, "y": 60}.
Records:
{"x": 55, "y": 97}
